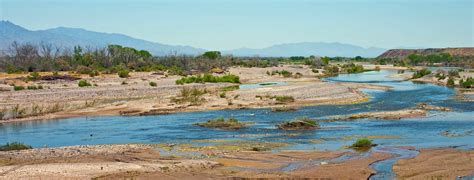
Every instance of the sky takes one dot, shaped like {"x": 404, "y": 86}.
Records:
{"x": 226, "y": 24}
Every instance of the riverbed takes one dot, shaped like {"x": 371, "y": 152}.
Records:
{"x": 426, "y": 132}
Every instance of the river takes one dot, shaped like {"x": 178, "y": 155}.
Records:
{"x": 178, "y": 128}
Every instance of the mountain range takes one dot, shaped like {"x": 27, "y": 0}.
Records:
{"x": 69, "y": 37}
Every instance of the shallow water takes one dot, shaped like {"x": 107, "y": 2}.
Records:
{"x": 178, "y": 128}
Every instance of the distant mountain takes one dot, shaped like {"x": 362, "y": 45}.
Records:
{"x": 68, "y": 37}
{"x": 307, "y": 49}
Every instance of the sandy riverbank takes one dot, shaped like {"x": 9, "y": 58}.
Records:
{"x": 144, "y": 161}
{"x": 63, "y": 99}
{"x": 437, "y": 164}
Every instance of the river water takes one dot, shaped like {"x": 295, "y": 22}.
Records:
{"x": 177, "y": 128}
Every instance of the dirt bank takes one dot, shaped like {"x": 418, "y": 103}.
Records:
{"x": 436, "y": 164}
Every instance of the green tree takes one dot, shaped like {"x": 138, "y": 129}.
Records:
{"x": 212, "y": 54}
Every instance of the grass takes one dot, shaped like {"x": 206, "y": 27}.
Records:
{"x": 230, "y": 88}
{"x": 221, "y": 123}
{"x": 301, "y": 123}
{"x": 230, "y": 78}
{"x": 14, "y": 146}
{"x": 190, "y": 95}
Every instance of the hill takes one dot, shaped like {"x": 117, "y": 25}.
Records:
{"x": 69, "y": 37}
{"x": 403, "y": 53}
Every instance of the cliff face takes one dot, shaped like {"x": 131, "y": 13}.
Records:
{"x": 402, "y": 53}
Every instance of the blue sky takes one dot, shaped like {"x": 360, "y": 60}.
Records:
{"x": 225, "y": 24}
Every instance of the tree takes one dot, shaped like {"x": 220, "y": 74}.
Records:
{"x": 212, "y": 54}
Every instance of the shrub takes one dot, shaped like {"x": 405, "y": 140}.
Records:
{"x": 362, "y": 143}
{"x": 33, "y": 87}
{"x": 421, "y": 73}
{"x": 94, "y": 73}
{"x": 152, "y": 84}
{"x": 33, "y": 76}
{"x": 18, "y": 88}
{"x": 301, "y": 123}
{"x": 123, "y": 74}
{"x": 453, "y": 73}
{"x": 83, "y": 70}
{"x": 14, "y": 146}
{"x": 222, "y": 123}
{"x": 192, "y": 96}
{"x": 468, "y": 83}
{"x": 298, "y": 75}
{"x": 450, "y": 82}
{"x": 353, "y": 68}
{"x": 83, "y": 83}
{"x": 284, "y": 99}
{"x": 222, "y": 95}
{"x": 330, "y": 70}
{"x": 209, "y": 78}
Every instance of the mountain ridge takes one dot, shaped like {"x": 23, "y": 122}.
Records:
{"x": 69, "y": 37}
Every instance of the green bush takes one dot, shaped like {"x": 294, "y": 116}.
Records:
{"x": 221, "y": 123}
{"x": 123, "y": 74}
{"x": 450, "y": 82}
{"x": 18, "y": 88}
{"x": 33, "y": 76}
{"x": 468, "y": 83}
{"x": 222, "y": 95}
{"x": 83, "y": 83}
{"x": 153, "y": 84}
{"x": 209, "y": 78}
{"x": 14, "y": 146}
{"x": 362, "y": 143}
{"x": 353, "y": 68}
{"x": 94, "y": 73}
{"x": 421, "y": 73}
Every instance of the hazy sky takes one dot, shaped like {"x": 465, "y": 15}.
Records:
{"x": 225, "y": 24}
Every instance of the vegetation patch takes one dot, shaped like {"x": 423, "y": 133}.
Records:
{"x": 221, "y": 123}
{"x": 421, "y": 73}
{"x": 153, "y": 84}
{"x": 284, "y": 99}
{"x": 301, "y": 123}
{"x": 190, "y": 95}
{"x": 284, "y": 109}
{"x": 230, "y": 88}
{"x": 83, "y": 83}
{"x": 18, "y": 88}
{"x": 230, "y": 78}
{"x": 14, "y": 146}
{"x": 362, "y": 144}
